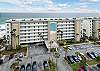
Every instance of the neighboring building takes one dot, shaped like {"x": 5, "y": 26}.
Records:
{"x": 96, "y": 28}
{"x": 86, "y": 27}
{"x": 2, "y": 30}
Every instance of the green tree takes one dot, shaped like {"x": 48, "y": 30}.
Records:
{"x": 98, "y": 58}
{"x": 61, "y": 33}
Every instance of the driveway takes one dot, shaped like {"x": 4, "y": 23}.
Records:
{"x": 61, "y": 65}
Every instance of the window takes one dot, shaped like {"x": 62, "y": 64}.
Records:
{"x": 7, "y": 24}
{"x": 28, "y": 26}
{"x": 28, "y": 33}
{"x": 7, "y": 31}
{"x": 45, "y": 19}
{"x": 51, "y": 19}
{"x": 7, "y": 28}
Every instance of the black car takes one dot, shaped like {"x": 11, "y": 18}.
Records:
{"x": 34, "y": 66}
{"x": 70, "y": 59}
{"x": 1, "y": 61}
{"x": 98, "y": 65}
{"x": 75, "y": 58}
{"x": 22, "y": 68}
{"x": 45, "y": 64}
{"x": 11, "y": 56}
{"x": 28, "y": 67}
{"x": 91, "y": 55}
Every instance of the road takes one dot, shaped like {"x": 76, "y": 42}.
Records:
{"x": 61, "y": 65}
{"x": 6, "y": 66}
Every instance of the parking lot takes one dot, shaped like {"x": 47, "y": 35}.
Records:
{"x": 88, "y": 51}
{"x": 94, "y": 68}
{"x": 36, "y": 53}
{"x": 83, "y": 48}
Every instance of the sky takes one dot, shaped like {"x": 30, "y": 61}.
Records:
{"x": 52, "y": 6}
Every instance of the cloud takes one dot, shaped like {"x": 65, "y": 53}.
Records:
{"x": 90, "y": 0}
{"x": 46, "y": 6}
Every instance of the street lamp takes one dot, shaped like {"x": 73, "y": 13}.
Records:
{"x": 31, "y": 59}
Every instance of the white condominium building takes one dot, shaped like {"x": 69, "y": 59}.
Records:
{"x": 86, "y": 27}
{"x": 26, "y": 31}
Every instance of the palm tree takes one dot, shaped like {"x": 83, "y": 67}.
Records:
{"x": 61, "y": 33}
{"x": 13, "y": 37}
{"x": 41, "y": 36}
{"x": 18, "y": 38}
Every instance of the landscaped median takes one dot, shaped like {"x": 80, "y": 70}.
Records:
{"x": 14, "y": 66}
{"x": 14, "y": 51}
{"x": 52, "y": 66}
{"x": 77, "y": 65}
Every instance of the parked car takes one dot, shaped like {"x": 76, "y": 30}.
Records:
{"x": 1, "y": 61}
{"x": 34, "y": 66}
{"x": 91, "y": 55}
{"x": 70, "y": 59}
{"x": 5, "y": 58}
{"x": 11, "y": 56}
{"x": 98, "y": 65}
{"x": 97, "y": 54}
{"x": 45, "y": 64}
{"x": 28, "y": 67}
{"x": 21, "y": 55}
{"x": 75, "y": 58}
{"x": 22, "y": 68}
{"x": 79, "y": 57}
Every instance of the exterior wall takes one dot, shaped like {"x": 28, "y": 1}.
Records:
{"x": 52, "y": 36}
{"x": 96, "y": 26}
{"x": 15, "y": 36}
{"x": 67, "y": 28}
{"x": 8, "y": 34}
{"x": 52, "y": 31}
{"x": 12, "y": 39}
{"x": 77, "y": 30}
{"x": 86, "y": 24}
{"x": 29, "y": 30}
{"x": 2, "y": 30}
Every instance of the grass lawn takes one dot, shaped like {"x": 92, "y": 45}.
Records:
{"x": 92, "y": 62}
{"x": 52, "y": 66}
{"x": 75, "y": 66}
{"x": 13, "y": 66}
{"x": 13, "y": 51}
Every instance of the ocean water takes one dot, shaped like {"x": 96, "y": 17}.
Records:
{"x": 6, "y": 16}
